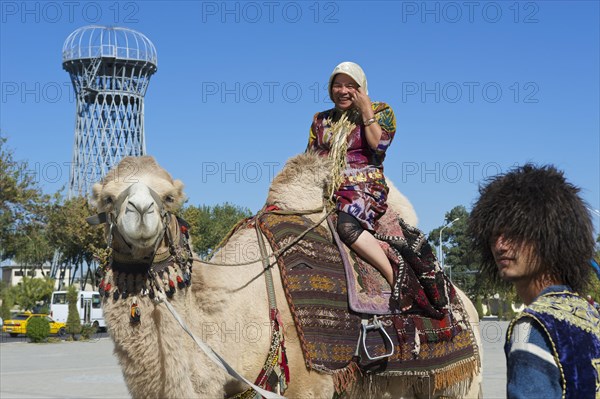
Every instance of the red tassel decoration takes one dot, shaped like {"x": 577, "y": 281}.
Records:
{"x": 180, "y": 283}
{"x": 171, "y": 290}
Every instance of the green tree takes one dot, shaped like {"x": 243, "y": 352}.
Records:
{"x": 34, "y": 248}
{"x": 511, "y": 299}
{"x": 72, "y": 236}
{"x": 73, "y": 318}
{"x": 30, "y": 291}
{"x": 210, "y": 224}
{"x": 88, "y": 331}
{"x": 459, "y": 259}
{"x": 38, "y": 329}
{"x": 8, "y": 300}
{"x": 21, "y": 203}
{"x": 501, "y": 309}
{"x": 479, "y": 306}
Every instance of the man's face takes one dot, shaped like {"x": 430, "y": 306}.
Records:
{"x": 514, "y": 261}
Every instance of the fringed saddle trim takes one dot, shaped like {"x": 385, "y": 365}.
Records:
{"x": 455, "y": 374}
{"x": 456, "y": 377}
{"x": 345, "y": 377}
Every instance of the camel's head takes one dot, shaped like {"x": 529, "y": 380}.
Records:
{"x": 136, "y": 195}
{"x": 302, "y": 183}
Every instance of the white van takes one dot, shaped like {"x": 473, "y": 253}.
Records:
{"x": 89, "y": 306}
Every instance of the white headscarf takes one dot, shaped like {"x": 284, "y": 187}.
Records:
{"x": 354, "y": 71}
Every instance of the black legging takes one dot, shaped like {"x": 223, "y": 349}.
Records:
{"x": 348, "y": 228}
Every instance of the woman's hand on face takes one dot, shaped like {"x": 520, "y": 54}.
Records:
{"x": 362, "y": 101}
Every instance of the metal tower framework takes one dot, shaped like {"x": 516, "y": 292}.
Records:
{"x": 110, "y": 68}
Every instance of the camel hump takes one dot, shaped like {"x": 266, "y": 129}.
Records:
{"x": 400, "y": 204}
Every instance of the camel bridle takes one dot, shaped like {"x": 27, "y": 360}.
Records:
{"x": 175, "y": 256}
{"x": 111, "y": 217}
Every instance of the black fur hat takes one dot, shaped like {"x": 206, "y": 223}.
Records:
{"x": 535, "y": 205}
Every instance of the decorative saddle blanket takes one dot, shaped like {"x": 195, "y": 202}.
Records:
{"x": 441, "y": 348}
{"x": 421, "y": 286}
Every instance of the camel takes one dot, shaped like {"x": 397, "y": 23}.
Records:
{"x": 226, "y": 306}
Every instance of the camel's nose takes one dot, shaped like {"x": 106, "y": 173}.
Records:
{"x": 140, "y": 200}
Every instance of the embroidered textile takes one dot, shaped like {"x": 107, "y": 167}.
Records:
{"x": 315, "y": 286}
{"x": 421, "y": 285}
{"x": 530, "y": 364}
{"x": 573, "y": 328}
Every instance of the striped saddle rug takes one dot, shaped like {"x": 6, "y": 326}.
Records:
{"x": 316, "y": 287}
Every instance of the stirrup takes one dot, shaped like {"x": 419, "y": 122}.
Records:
{"x": 375, "y": 325}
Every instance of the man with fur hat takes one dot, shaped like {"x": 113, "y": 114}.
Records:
{"x": 534, "y": 231}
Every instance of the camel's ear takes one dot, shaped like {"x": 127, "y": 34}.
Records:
{"x": 178, "y": 184}
{"x": 95, "y": 200}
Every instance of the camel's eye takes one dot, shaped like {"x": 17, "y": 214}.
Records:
{"x": 108, "y": 200}
{"x": 169, "y": 199}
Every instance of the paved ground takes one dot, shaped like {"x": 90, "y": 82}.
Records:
{"x": 61, "y": 370}
{"x": 493, "y": 334}
{"x": 89, "y": 370}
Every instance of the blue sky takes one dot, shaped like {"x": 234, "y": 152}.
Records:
{"x": 477, "y": 87}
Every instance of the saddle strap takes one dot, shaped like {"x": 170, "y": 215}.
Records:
{"x": 266, "y": 268}
{"x": 212, "y": 355}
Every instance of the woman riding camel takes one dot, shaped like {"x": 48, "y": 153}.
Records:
{"x": 355, "y": 134}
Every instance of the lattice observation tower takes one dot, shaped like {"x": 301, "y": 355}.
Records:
{"x": 110, "y": 68}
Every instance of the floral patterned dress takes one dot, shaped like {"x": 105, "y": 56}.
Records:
{"x": 364, "y": 192}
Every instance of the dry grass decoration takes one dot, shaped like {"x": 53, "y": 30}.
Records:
{"x": 338, "y": 132}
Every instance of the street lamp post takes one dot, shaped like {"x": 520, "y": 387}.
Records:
{"x": 441, "y": 250}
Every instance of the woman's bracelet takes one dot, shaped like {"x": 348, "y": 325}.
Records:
{"x": 370, "y": 122}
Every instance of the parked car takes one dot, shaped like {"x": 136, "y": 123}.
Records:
{"x": 18, "y": 324}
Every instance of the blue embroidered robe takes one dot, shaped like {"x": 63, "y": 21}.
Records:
{"x": 573, "y": 327}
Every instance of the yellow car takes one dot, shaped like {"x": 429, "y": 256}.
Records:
{"x": 18, "y": 325}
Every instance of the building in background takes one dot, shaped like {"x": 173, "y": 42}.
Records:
{"x": 12, "y": 274}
